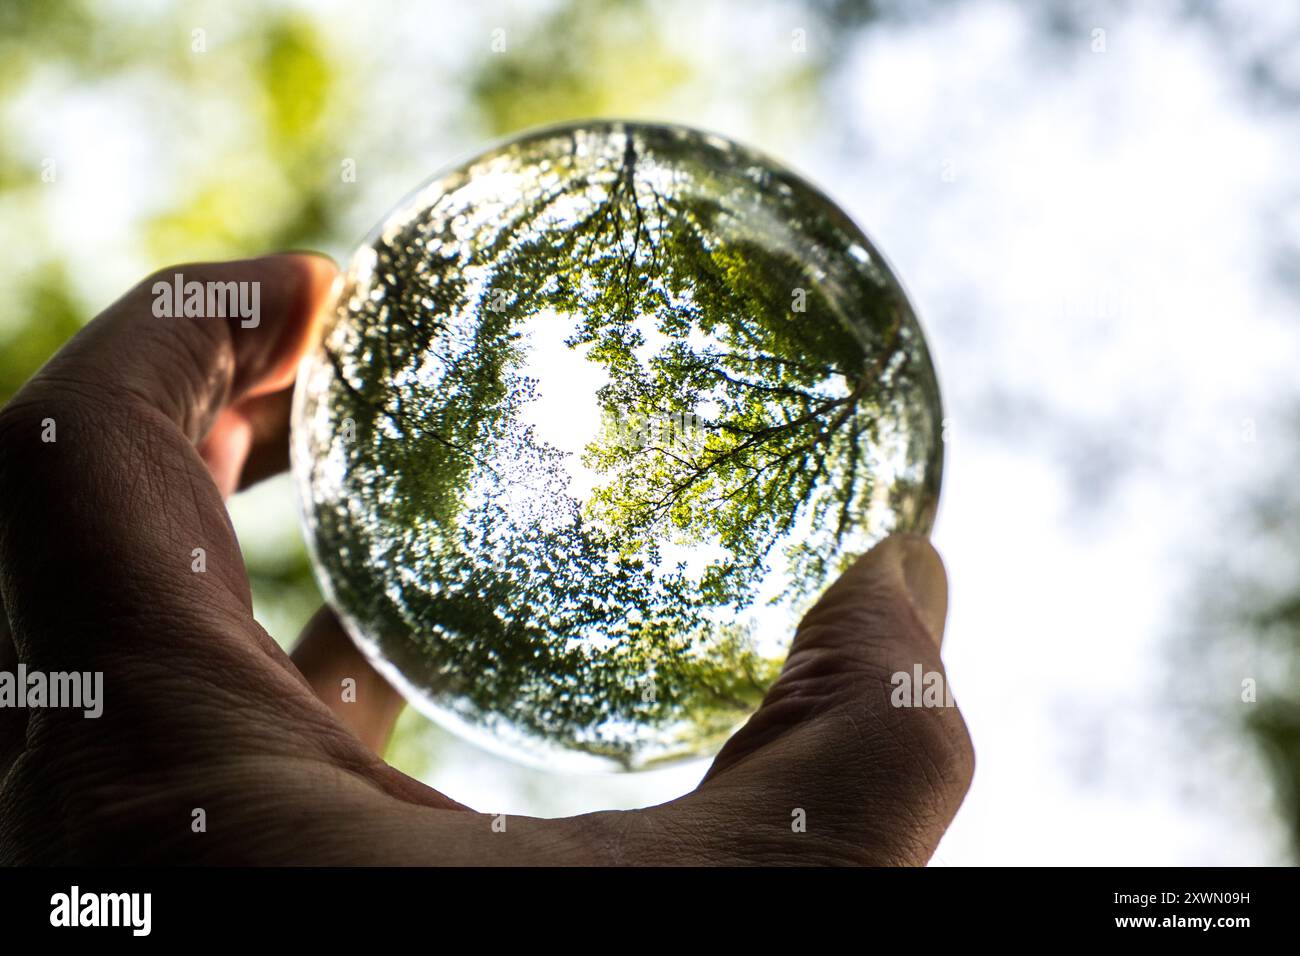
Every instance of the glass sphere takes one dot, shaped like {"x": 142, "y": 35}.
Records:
{"x": 595, "y": 417}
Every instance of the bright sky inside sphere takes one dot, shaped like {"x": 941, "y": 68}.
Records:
{"x": 564, "y": 414}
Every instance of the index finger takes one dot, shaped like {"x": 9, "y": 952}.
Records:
{"x": 112, "y": 522}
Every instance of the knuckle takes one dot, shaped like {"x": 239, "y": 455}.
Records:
{"x": 34, "y": 421}
{"x": 933, "y": 765}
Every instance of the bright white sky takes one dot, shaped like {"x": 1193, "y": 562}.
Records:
{"x": 1083, "y": 234}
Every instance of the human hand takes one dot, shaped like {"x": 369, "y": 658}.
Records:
{"x": 156, "y": 421}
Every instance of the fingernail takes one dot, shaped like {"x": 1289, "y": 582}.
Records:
{"x": 313, "y": 253}
{"x": 296, "y": 285}
{"x": 926, "y": 584}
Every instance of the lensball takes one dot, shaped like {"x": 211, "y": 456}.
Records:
{"x": 595, "y": 417}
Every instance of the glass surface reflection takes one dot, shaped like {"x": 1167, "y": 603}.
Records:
{"x": 595, "y": 418}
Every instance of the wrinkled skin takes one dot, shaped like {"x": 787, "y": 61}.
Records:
{"x": 159, "y": 420}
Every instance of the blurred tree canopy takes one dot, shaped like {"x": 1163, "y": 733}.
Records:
{"x": 1243, "y": 642}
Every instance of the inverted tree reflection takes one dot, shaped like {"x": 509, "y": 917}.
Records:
{"x": 709, "y": 289}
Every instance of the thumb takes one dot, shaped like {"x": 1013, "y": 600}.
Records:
{"x": 846, "y": 761}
